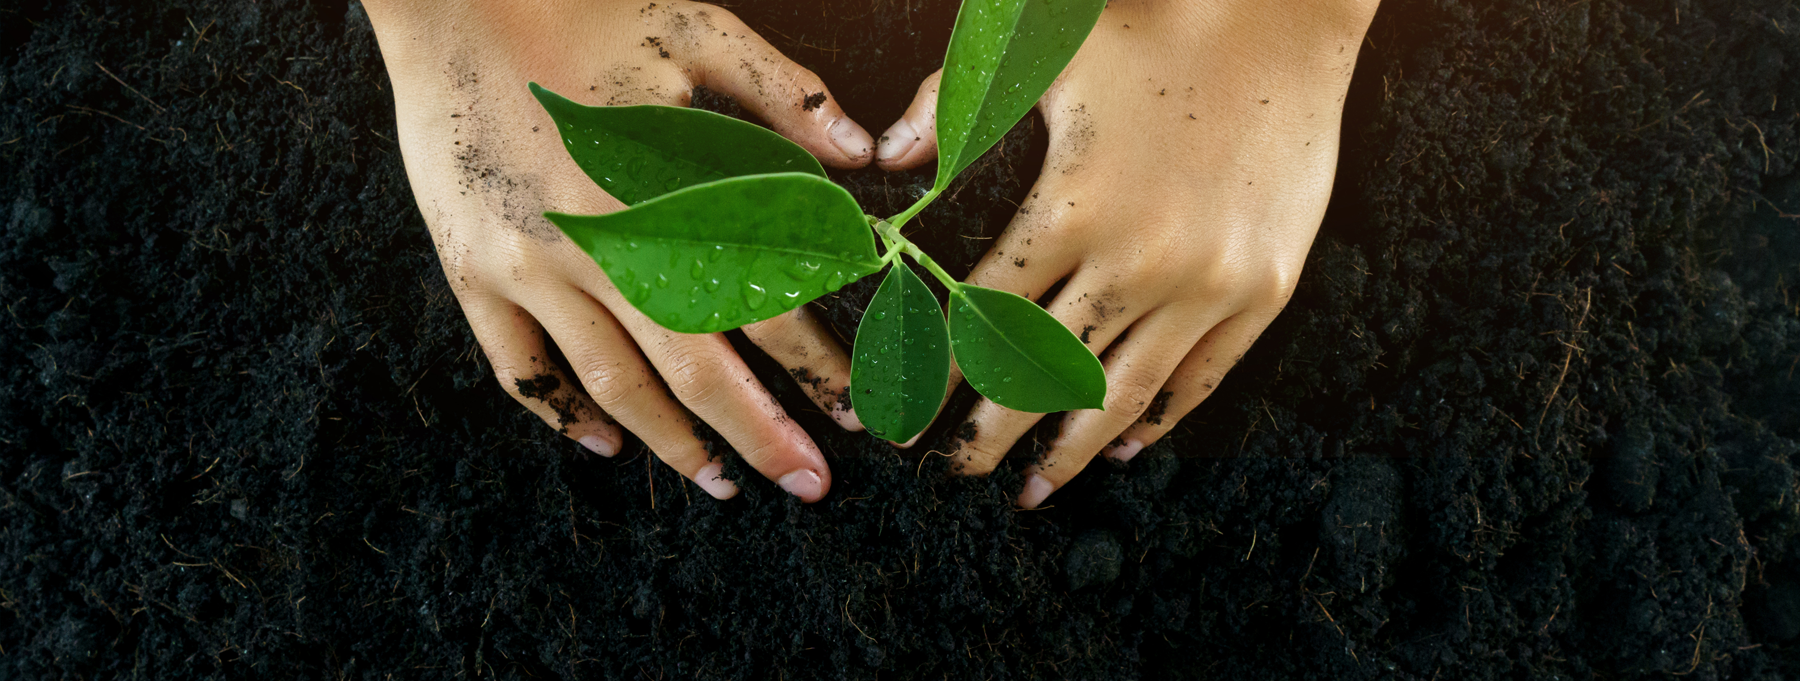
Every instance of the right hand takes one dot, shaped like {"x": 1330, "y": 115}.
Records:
{"x": 485, "y": 162}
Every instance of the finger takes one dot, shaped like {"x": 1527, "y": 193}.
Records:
{"x": 616, "y": 376}
{"x": 1137, "y": 367}
{"x": 1090, "y": 306}
{"x": 514, "y": 344}
{"x": 912, "y": 140}
{"x": 709, "y": 378}
{"x": 1194, "y": 379}
{"x": 802, "y": 344}
{"x": 788, "y": 96}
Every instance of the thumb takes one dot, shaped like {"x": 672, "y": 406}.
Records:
{"x": 912, "y": 140}
{"x": 789, "y": 97}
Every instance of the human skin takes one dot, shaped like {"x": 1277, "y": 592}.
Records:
{"x": 485, "y": 161}
{"x": 1192, "y": 151}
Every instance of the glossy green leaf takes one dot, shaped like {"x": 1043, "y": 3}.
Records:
{"x": 1003, "y": 55}
{"x": 902, "y": 358}
{"x": 637, "y": 153}
{"x": 1019, "y": 356}
{"x": 720, "y": 255}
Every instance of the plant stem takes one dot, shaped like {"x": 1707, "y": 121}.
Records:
{"x": 890, "y": 233}
{"x": 899, "y": 221}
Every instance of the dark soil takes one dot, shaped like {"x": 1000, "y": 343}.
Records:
{"x": 1532, "y": 414}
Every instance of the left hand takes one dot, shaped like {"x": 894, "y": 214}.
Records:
{"x": 1192, "y": 151}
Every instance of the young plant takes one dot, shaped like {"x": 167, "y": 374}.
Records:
{"x": 729, "y": 223}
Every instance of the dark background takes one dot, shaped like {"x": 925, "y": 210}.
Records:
{"x": 1532, "y": 413}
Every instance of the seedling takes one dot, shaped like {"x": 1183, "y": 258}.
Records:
{"x": 729, "y": 224}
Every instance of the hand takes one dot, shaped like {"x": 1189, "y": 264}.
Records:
{"x": 1192, "y": 150}
{"x": 485, "y": 161}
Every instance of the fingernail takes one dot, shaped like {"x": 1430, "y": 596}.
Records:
{"x": 1125, "y": 451}
{"x": 711, "y": 478}
{"x": 1036, "y": 490}
{"x": 850, "y": 138}
{"x": 898, "y": 140}
{"x": 599, "y": 445}
{"x": 802, "y": 483}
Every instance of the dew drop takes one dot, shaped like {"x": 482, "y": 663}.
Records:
{"x": 698, "y": 269}
{"x": 1008, "y": 379}
{"x": 717, "y": 252}
{"x": 712, "y": 285}
{"x": 755, "y": 295}
{"x": 673, "y": 184}
{"x": 640, "y": 294}
{"x": 632, "y": 245}
{"x": 801, "y": 270}
{"x": 662, "y": 281}
{"x": 625, "y": 277}
{"x": 881, "y": 315}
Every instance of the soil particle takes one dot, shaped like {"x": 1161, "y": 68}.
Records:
{"x": 548, "y": 388}
{"x": 813, "y": 101}
{"x": 1153, "y": 414}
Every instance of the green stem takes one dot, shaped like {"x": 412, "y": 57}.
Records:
{"x": 899, "y": 221}
{"x": 890, "y": 233}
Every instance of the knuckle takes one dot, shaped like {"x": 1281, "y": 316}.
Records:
{"x": 774, "y": 327}
{"x": 973, "y": 459}
{"x": 760, "y": 454}
{"x": 608, "y": 383}
{"x": 1283, "y": 278}
{"x": 694, "y": 376}
{"x": 1130, "y": 393}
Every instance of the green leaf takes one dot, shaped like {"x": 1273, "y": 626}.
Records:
{"x": 720, "y": 255}
{"x": 902, "y": 358}
{"x": 637, "y": 153}
{"x": 1003, "y": 55}
{"x": 1019, "y": 356}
